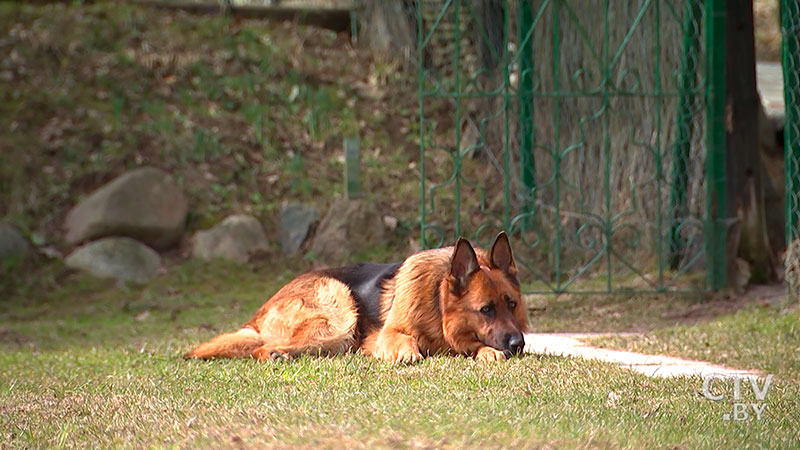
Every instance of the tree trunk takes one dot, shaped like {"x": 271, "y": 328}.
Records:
{"x": 388, "y": 27}
{"x": 745, "y": 185}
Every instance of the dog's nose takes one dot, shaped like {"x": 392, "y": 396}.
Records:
{"x": 515, "y": 343}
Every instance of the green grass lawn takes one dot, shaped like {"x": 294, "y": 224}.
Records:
{"x": 87, "y": 363}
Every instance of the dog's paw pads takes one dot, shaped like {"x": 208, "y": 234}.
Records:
{"x": 489, "y": 354}
{"x": 408, "y": 357}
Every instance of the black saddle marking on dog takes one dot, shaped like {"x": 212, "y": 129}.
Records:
{"x": 365, "y": 281}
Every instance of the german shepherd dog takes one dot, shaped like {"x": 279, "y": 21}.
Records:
{"x": 455, "y": 300}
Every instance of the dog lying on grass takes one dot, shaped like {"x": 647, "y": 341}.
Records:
{"x": 455, "y": 300}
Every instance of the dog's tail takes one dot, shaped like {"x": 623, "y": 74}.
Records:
{"x": 240, "y": 344}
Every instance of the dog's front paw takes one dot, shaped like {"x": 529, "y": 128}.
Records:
{"x": 408, "y": 355}
{"x": 398, "y": 348}
{"x": 489, "y": 354}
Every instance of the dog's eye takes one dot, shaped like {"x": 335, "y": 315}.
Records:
{"x": 511, "y": 303}
{"x": 488, "y": 309}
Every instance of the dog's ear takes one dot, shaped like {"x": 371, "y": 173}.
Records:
{"x": 501, "y": 257}
{"x": 463, "y": 264}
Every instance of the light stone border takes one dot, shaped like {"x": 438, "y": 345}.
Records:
{"x": 658, "y": 366}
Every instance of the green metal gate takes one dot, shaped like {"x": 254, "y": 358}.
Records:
{"x": 591, "y": 130}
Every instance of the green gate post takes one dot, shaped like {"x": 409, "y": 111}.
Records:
{"x": 524, "y": 96}
{"x": 352, "y": 167}
{"x": 716, "y": 229}
{"x": 790, "y": 11}
{"x": 683, "y": 139}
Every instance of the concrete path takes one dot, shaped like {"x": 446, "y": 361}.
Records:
{"x": 769, "y": 78}
{"x": 570, "y": 345}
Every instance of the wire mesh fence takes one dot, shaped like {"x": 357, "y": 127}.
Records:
{"x": 790, "y": 15}
{"x": 577, "y": 126}
{"x": 791, "y": 77}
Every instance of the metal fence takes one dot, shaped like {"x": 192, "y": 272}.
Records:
{"x": 790, "y": 21}
{"x": 592, "y": 131}
{"x": 790, "y": 12}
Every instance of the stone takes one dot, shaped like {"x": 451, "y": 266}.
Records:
{"x": 144, "y": 204}
{"x": 237, "y": 238}
{"x": 693, "y": 258}
{"x": 390, "y": 222}
{"x": 791, "y": 261}
{"x": 742, "y": 275}
{"x": 14, "y": 248}
{"x": 120, "y": 258}
{"x": 349, "y": 226}
{"x": 296, "y": 220}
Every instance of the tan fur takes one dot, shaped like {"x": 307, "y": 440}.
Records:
{"x": 230, "y": 345}
{"x": 415, "y": 328}
{"x": 422, "y": 310}
{"x": 315, "y": 315}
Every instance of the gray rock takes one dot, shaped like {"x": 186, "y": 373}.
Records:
{"x": 14, "y": 248}
{"x": 121, "y": 258}
{"x": 295, "y": 222}
{"x": 145, "y": 204}
{"x": 693, "y": 259}
{"x": 350, "y": 226}
{"x": 237, "y": 238}
{"x": 390, "y": 222}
